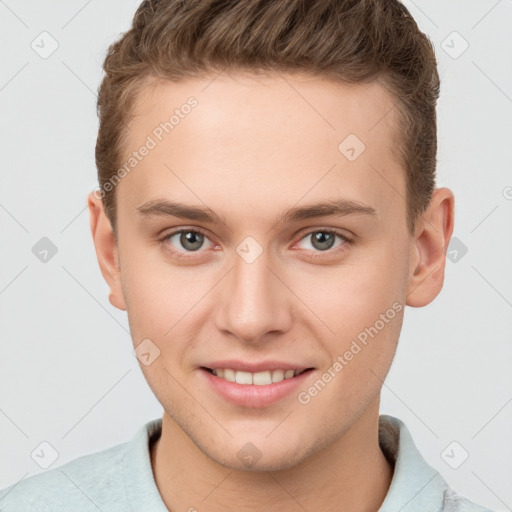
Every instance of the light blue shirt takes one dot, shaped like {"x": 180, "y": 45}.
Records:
{"x": 120, "y": 479}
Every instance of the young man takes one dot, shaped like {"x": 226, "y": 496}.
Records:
{"x": 267, "y": 209}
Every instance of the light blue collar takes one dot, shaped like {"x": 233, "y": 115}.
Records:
{"x": 415, "y": 486}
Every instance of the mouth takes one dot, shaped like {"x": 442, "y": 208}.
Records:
{"x": 261, "y": 378}
{"x": 255, "y": 390}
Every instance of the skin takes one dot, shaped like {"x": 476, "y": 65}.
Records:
{"x": 253, "y": 148}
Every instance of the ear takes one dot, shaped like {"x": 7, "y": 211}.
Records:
{"x": 106, "y": 250}
{"x": 432, "y": 235}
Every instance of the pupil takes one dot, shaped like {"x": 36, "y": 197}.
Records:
{"x": 191, "y": 240}
{"x": 323, "y": 240}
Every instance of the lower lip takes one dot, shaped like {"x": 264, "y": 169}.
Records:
{"x": 252, "y": 395}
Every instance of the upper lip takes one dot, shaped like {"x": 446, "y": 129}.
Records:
{"x": 246, "y": 366}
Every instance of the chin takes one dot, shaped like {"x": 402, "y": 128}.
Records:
{"x": 259, "y": 456}
{"x": 264, "y": 464}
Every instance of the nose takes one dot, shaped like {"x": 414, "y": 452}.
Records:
{"x": 254, "y": 300}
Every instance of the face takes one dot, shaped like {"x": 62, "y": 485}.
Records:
{"x": 265, "y": 230}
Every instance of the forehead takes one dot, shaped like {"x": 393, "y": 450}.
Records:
{"x": 263, "y": 138}
{"x": 270, "y": 104}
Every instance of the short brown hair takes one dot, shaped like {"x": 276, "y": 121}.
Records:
{"x": 351, "y": 41}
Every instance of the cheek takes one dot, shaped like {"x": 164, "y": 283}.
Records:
{"x": 361, "y": 303}
{"x": 153, "y": 298}
{"x": 164, "y": 300}
{"x": 352, "y": 296}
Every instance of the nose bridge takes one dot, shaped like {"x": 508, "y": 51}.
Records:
{"x": 254, "y": 300}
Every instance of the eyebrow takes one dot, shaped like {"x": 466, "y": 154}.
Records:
{"x": 334, "y": 207}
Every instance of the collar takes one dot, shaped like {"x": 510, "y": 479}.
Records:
{"x": 415, "y": 485}
{"x": 140, "y": 485}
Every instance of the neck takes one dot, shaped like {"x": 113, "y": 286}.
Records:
{"x": 351, "y": 470}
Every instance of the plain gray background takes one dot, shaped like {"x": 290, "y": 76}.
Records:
{"x": 67, "y": 371}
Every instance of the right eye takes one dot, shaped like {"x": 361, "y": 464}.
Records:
{"x": 190, "y": 240}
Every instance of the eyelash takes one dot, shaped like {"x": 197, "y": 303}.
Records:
{"x": 316, "y": 254}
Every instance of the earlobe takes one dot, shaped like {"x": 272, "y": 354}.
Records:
{"x": 433, "y": 233}
{"x": 106, "y": 250}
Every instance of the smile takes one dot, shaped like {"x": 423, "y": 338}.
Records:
{"x": 263, "y": 378}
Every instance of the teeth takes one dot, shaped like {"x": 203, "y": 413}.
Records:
{"x": 259, "y": 378}
{"x": 243, "y": 378}
{"x": 277, "y": 375}
{"x": 229, "y": 375}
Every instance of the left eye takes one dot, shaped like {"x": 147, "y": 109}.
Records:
{"x": 323, "y": 240}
